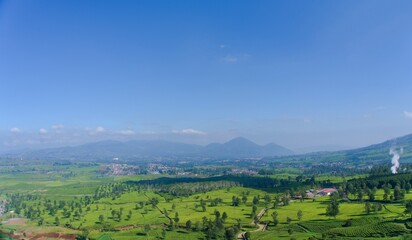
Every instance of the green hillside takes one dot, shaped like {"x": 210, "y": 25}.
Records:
{"x": 370, "y": 155}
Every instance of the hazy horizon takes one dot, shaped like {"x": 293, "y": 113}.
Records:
{"x": 303, "y": 150}
{"x": 304, "y": 75}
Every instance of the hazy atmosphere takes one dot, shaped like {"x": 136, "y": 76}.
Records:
{"x": 308, "y": 75}
{"x": 205, "y": 120}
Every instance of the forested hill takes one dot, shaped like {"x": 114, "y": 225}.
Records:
{"x": 373, "y": 154}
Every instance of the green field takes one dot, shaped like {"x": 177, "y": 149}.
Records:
{"x": 78, "y": 199}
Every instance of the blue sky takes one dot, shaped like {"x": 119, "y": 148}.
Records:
{"x": 303, "y": 74}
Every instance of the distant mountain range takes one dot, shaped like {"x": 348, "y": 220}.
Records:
{"x": 235, "y": 148}
{"x": 107, "y": 150}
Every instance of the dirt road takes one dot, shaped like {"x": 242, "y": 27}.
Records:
{"x": 261, "y": 226}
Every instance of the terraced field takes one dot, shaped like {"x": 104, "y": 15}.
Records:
{"x": 130, "y": 212}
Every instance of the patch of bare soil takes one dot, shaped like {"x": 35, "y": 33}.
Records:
{"x": 43, "y": 236}
{"x": 15, "y": 221}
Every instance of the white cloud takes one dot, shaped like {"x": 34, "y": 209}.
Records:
{"x": 127, "y": 132}
{"x": 189, "y": 131}
{"x": 100, "y": 129}
{"x": 58, "y": 126}
{"x": 407, "y": 114}
{"x": 97, "y": 130}
{"x": 222, "y": 46}
{"x": 43, "y": 131}
{"x": 15, "y": 130}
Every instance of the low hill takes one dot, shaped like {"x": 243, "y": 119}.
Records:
{"x": 373, "y": 154}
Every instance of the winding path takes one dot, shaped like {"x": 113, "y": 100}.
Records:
{"x": 261, "y": 226}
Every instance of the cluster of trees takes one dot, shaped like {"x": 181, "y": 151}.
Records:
{"x": 394, "y": 186}
{"x": 372, "y": 207}
{"x": 116, "y": 215}
{"x": 214, "y": 229}
{"x": 240, "y": 180}
{"x": 35, "y": 206}
{"x": 112, "y": 190}
{"x": 385, "y": 169}
{"x": 364, "y": 190}
{"x": 187, "y": 189}
{"x": 336, "y": 169}
{"x": 403, "y": 181}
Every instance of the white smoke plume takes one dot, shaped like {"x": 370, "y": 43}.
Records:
{"x": 396, "y": 155}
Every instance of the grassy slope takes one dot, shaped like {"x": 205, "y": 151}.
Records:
{"x": 54, "y": 187}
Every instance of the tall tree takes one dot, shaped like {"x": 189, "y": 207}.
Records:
{"x": 101, "y": 218}
{"x": 333, "y": 208}
{"x": 299, "y": 214}
{"x": 367, "y": 207}
{"x": 176, "y": 219}
{"x": 188, "y": 225}
{"x": 244, "y": 199}
{"x": 408, "y": 207}
{"x": 275, "y": 218}
{"x": 224, "y": 216}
